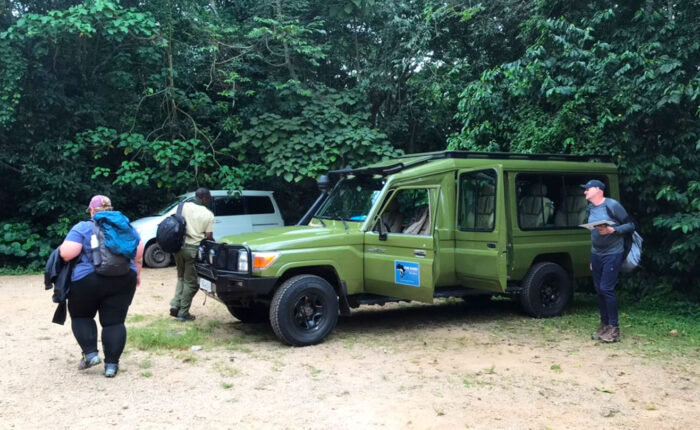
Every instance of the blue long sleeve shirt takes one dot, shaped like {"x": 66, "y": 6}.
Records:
{"x": 611, "y": 243}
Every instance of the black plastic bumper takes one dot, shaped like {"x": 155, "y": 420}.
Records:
{"x": 232, "y": 287}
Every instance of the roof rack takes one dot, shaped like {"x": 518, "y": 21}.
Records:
{"x": 413, "y": 160}
{"x": 511, "y": 156}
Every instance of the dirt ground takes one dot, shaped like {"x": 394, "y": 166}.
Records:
{"x": 447, "y": 366}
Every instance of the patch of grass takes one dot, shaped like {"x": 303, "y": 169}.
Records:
{"x": 647, "y": 328}
{"x": 226, "y": 385}
{"x": 314, "y": 371}
{"x": 556, "y": 367}
{"x": 145, "y": 364}
{"x": 186, "y": 357}
{"x": 471, "y": 381}
{"x": 146, "y": 374}
{"x": 226, "y": 371}
{"x": 168, "y": 334}
{"x": 214, "y": 324}
{"x": 135, "y": 318}
{"x": 236, "y": 343}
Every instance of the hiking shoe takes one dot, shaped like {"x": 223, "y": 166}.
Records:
{"x": 111, "y": 370}
{"x": 89, "y": 360}
{"x": 601, "y": 330}
{"x": 188, "y": 317}
{"x": 174, "y": 311}
{"x": 612, "y": 334}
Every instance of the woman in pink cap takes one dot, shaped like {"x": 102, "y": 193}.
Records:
{"x": 91, "y": 292}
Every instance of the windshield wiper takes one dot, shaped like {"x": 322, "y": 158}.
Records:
{"x": 345, "y": 224}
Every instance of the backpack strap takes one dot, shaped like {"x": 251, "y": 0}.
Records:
{"x": 612, "y": 215}
{"x": 179, "y": 209}
{"x": 628, "y": 237}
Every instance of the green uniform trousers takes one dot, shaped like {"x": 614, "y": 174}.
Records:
{"x": 186, "y": 280}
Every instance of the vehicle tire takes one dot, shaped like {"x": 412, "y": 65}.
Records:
{"x": 304, "y": 310}
{"x": 546, "y": 290}
{"x": 256, "y": 313}
{"x": 155, "y": 257}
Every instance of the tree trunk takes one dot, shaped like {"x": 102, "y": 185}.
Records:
{"x": 287, "y": 56}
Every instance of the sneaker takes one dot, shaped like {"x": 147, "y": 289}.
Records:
{"x": 89, "y": 360}
{"x": 601, "y": 330}
{"x": 111, "y": 370}
{"x": 188, "y": 317}
{"x": 612, "y": 334}
{"x": 174, "y": 311}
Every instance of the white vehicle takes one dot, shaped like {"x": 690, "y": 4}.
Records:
{"x": 233, "y": 214}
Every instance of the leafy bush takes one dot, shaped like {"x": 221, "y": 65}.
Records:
{"x": 22, "y": 248}
{"x": 622, "y": 82}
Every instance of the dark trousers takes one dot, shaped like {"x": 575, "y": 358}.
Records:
{"x": 606, "y": 268}
{"x": 187, "y": 285}
{"x": 111, "y": 297}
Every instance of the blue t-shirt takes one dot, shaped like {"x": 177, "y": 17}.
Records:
{"x": 81, "y": 233}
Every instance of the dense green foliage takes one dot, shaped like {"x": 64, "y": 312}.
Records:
{"x": 144, "y": 100}
{"x": 619, "y": 80}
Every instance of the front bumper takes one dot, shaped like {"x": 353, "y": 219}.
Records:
{"x": 213, "y": 263}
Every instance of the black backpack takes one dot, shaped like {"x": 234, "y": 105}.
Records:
{"x": 171, "y": 231}
{"x": 106, "y": 262}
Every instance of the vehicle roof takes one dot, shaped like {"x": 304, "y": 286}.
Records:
{"x": 435, "y": 162}
{"x": 219, "y": 193}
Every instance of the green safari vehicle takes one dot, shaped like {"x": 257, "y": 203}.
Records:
{"x": 419, "y": 227}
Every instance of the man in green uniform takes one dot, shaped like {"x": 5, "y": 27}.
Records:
{"x": 200, "y": 225}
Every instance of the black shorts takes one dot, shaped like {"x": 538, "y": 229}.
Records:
{"x": 110, "y": 295}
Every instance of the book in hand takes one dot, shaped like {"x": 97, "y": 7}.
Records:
{"x": 594, "y": 224}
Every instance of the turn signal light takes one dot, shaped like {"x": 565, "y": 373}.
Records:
{"x": 262, "y": 260}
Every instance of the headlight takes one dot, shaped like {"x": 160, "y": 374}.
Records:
{"x": 242, "y": 261}
{"x": 263, "y": 260}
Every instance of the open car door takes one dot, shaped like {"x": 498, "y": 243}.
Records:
{"x": 399, "y": 261}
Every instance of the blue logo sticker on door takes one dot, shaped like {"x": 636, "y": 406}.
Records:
{"x": 407, "y": 273}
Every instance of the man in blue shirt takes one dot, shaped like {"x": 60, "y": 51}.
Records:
{"x": 607, "y": 254}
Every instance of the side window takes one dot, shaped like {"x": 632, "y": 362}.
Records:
{"x": 551, "y": 201}
{"x": 408, "y": 212}
{"x": 477, "y": 201}
{"x": 228, "y": 206}
{"x": 256, "y": 205}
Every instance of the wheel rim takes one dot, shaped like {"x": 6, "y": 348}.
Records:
{"x": 309, "y": 312}
{"x": 549, "y": 292}
{"x": 158, "y": 255}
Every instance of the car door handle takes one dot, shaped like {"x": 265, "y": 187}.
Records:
{"x": 491, "y": 245}
{"x": 419, "y": 252}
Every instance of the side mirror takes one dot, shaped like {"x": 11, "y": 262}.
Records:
{"x": 324, "y": 183}
{"x": 382, "y": 230}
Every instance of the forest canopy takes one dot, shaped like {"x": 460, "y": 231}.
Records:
{"x": 143, "y": 100}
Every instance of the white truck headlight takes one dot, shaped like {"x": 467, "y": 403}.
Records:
{"x": 243, "y": 263}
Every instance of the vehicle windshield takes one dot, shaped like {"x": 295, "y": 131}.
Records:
{"x": 166, "y": 209}
{"x": 351, "y": 199}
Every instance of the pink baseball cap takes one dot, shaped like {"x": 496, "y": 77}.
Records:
{"x": 99, "y": 202}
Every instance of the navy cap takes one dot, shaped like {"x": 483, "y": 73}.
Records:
{"x": 593, "y": 183}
